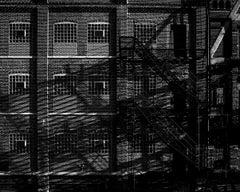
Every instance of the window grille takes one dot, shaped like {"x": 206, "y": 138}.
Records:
{"x": 98, "y": 85}
{"x": 65, "y": 32}
{"x": 217, "y": 96}
{"x": 65, "y": 84}
{"x": 144, "y": 85}
{"x": 66, "y": 143}
{"x": 137, "y": 140}
{"x": 98, "y": 143}
{"x": 19, "y": 32}
{"x": 19, "y": 84}
{"x": 19, "y": 143}
{"x": 144, "y": 32}
{"x": 98, "y": 32}
{"x": 138, "y": 85}
{"x": 150, "y": 143}
{"x": 148, "y": 140}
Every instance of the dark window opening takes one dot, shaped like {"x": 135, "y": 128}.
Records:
{"x": 20, "y": 85}
{"x": 214, "y": 5}
{"x": 221, "y": 4}
{"x": 100, "y": 34}
{"x": 20, "y": 34}
{"x": 228, "y": 5}
{"x": 99, "y": 86}
{"x": 217, "y": 96}
{"x": 180, "y": 39}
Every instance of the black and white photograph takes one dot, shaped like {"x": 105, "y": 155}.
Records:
{"x": 119, "y": 95}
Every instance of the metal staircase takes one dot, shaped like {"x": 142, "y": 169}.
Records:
{"x": 161, "y": 124}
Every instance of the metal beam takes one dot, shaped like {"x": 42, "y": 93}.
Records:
{"x": 233, "y": 15}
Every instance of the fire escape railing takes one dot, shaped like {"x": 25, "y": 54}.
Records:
{"x": 164, "y": 126}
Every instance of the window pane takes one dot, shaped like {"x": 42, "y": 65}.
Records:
{"x": 65, "y": 84}
{"x": 98, "y": 33}
{"x": 19, "y": 32}
{"x": 145, "y": 32}
{"x": 65, "y": 33}
{"x": 19, "y": 84}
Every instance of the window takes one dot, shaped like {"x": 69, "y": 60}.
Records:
{"x": 98, "y": 85}
{"x": 144, "y": 32}
{"x": 221, "y": 4}
{"x": 150, "y": 143}
{"x": 65, "y": 143}
{"x": 19, "y": 143}
{"x": 144, "y": 85}
{"x": 148, "y": 140}
{"x": 19, "y": 32}
{"x": 228, "y": 4}
{"x": 98, "y": 32}
{"x": 19, "y": 84}
{"x": 98, "y": 143}
{"x": 214, "y": 4}
{"x": 217, "y": 96}
{"x": 64, "y": 84}
{"x": 138, "y": 85}
{"x": 180, "y": 39}
{"x": 65, "y": 32}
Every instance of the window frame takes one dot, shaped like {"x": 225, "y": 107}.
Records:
{"x": 64, "y": 90}
{"x": 106, "y": 31}
{"x": 73, "y": 37}
{"x": 27, "y": 33}
{"x": 26, "y": 82}
{"x": 96, "y": 139}
{"x": 138, "y": 84}
{"x": 66, "y": 143}
{"x": 99, "y": 79}
{"x": 148, "y": 37}
{"x": 16, "y": 137}
{"x": 149, "y": 142}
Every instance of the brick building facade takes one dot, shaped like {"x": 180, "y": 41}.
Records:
{"x": 99, "y": 88}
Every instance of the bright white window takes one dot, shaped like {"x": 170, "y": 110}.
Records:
{"x": 144, "y": 32}
{"x": 65, "y": 143}
{"x": 65, "y": 32}
{"x": 19, "y": 32}
{"x": 98, "y": 85}
{"x": 64, "y": 84}
{"x": 19, "y": 143}
{"x": 98, "y": 143}
{"x": 98, "y": 32}
{"x": 19, "y": 84}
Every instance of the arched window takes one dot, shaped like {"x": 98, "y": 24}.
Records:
{"x": 221, "y": 4}
{"x": 228, "y": 4}
{"x": 19, "y": 38}
{"x": 65, "y": 38}
{"x": 215, "y": 4}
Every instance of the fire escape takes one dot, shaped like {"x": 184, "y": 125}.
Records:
{"x": 170, "y": 129}
{"x": 220, "y": 81}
